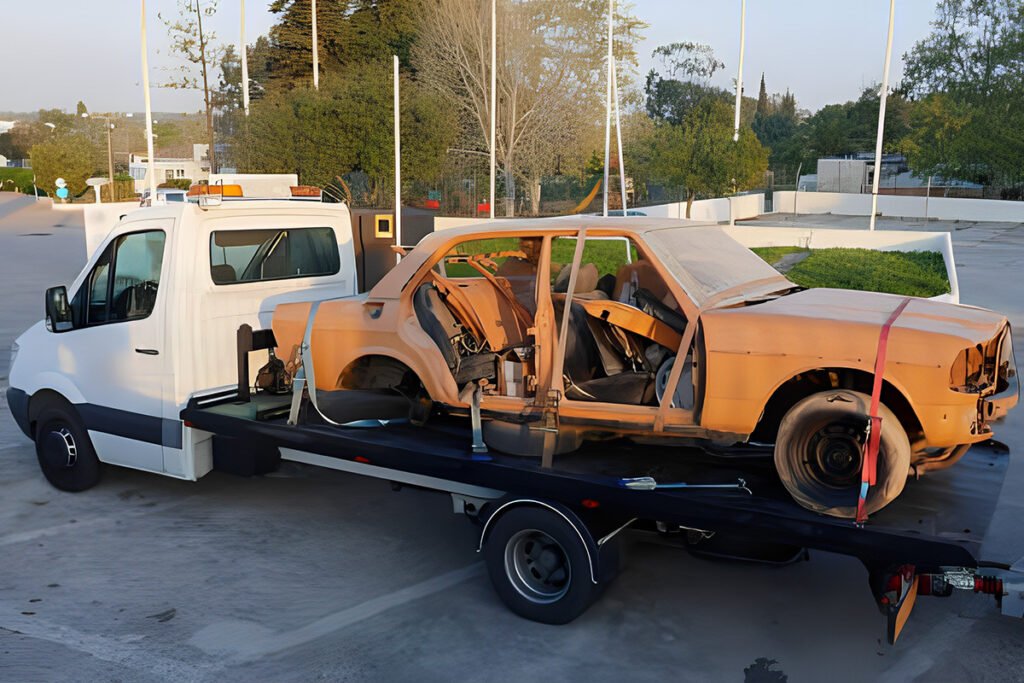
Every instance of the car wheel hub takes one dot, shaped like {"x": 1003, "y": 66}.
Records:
{"x": 836, "y": 455}
{"x": 537, "y": 566}
{"x": 59, "y": 448}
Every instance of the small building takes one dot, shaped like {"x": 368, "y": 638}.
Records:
{"x": 196, "y": 168}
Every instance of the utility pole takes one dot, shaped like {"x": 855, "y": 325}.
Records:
{"x": 110, "y": 151}
{"x": 881, "y": 117}
{"x": 618, "y": 137}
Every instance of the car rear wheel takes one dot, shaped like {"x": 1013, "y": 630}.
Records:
{"x": 64, "y": 450}
{"x": 819, "y": 453}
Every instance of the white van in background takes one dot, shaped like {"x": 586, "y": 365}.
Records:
{"x": 152, "y": 319}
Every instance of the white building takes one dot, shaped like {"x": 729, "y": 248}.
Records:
{"x": 195, "y": 169}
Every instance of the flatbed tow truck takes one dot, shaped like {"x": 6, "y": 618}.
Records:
{"x": 550, "y": 536}
{"x": 138, "y": 370}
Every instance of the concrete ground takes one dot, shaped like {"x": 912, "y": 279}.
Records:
{"x": 315, "y": 575}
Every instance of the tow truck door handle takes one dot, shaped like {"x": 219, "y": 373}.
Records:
{"x": 148, "y": 352}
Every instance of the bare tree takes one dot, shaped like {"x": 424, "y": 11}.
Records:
{"x": 549, "y": 75}
{"x": 197, "y": 47}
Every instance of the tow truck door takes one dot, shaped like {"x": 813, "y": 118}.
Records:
{"x": 116, "y": 352}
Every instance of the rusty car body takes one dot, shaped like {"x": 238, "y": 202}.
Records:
{"x": 558, "y": 353}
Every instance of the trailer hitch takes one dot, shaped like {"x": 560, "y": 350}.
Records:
{"x": 650, "y": 484}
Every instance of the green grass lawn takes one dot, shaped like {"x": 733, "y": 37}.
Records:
{"x": 22, "y": 178}
{"x": 911, "y": 273}
{"x": 607, "y": 255}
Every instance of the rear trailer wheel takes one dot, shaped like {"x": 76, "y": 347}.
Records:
{"x": 65, "y": 452}
{"x": 539, "y": 566}
{"x": 819, "y": 453}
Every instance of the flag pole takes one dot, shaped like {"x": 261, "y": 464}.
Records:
{"x": 398, "y": 160}
{"x": 608, "y": 108}
{"x": 739, "y": 71}
{"x": 881, "y": 117}
{"x": 245, "y": 61}
{"x": 151, "y": 171}
{"x": 494, "y": 95}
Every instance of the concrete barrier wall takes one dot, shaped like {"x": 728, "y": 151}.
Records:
{"x": 944, "y": 208}
{"x": 879, "y": 240}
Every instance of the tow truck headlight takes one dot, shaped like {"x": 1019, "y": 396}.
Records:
{"x": 14, "y": 354}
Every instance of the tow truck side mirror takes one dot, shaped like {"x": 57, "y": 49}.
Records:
{"x": 58, "y": 312}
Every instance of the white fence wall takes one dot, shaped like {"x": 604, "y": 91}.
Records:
{"x": 944, "y": 208}
{"x": 879, "y": 240}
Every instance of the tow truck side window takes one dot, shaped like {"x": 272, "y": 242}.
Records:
{"x": 272, "y": 254}
{"x": 134, "y": 261}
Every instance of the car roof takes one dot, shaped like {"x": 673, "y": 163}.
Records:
{"x": 391, "y": 285}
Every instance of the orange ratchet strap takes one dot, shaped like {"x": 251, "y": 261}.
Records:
{"x": 870, "y": 466}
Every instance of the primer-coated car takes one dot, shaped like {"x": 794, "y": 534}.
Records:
{"x": 559, "y": 354}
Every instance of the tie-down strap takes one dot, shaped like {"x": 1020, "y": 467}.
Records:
{"x": 869, "y": 469}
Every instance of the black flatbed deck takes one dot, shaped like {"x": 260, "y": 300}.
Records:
{"x": 939, "y": 520}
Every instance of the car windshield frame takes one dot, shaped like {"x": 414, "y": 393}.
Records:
{"x": 712, "y": 267}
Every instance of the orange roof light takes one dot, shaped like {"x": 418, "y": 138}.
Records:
{"x": 222, "y": 190}
{"x": 305, "y": 191}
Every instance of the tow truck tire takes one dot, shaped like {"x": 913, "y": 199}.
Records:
{"x": 64, "y": 450}
{"x": 819, "y": 453}
{"x": 539, "y": 566}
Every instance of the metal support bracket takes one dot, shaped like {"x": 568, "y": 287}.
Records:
{"x": 478, "y": 433}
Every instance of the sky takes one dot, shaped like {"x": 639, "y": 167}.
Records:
{"x": 824, "y": 51}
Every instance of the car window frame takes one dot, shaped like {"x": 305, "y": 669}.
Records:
{"x": 111, "y": 276}
{"x": 214, "y": 231}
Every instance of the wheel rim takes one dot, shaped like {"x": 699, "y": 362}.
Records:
{"x": 59, "y": 448}
{"x": 835, "y": 454}
{"x": 537, "y": 566}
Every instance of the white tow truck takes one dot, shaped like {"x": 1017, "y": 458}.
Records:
{"x": 151, "y": 320}
{"x": 143, "y": 362}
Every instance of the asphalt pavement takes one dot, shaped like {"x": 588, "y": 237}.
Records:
{"x": 317, "y": 575}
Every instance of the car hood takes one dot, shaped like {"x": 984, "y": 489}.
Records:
{"x": 971, "y": 324}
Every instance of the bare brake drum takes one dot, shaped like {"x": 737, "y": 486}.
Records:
{"x": 683, "y": 397}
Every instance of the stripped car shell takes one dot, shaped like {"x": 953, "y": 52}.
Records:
{"x": 756, "y": 344}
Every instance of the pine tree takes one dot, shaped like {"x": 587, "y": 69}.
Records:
{"x": 762, "y": 100}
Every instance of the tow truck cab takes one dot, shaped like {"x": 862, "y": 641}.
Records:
{"x": 152, "y": 317}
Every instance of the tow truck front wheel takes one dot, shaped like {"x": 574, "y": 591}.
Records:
{"x": 539, "y": 566}
{"x": 819, "y": 453}
{"x": 65, "y": 452}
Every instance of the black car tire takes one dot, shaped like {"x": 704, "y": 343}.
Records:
{"x": 64, "y": 450}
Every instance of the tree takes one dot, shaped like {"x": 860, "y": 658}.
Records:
{"x": 196, "y": 46}
{"x": 349, "y": 32}
{"x": 965, "y": 78}
{"x": 70, "y": 156}
{"x": 81, "y": 108}
{"x": 227, "y": 98}
{"x": 688, "y": 69}
{"x": 339, "y": 129}
{"x": 762, "y": 101}
{"x": 700, "y": 154}
{"x": 550, "y": 75}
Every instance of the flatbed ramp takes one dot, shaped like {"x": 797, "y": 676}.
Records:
{"x": 928, "y": 541}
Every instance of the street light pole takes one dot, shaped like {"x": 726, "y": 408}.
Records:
{"x": 608, "y": 109}
{"x": 739, "y": 72}
{"x": 494, "y": 97}
{"x": 110, "y": 151}
{"x": 151, "y": 163}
